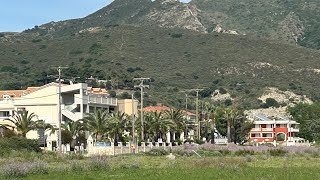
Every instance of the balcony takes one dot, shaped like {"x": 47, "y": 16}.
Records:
{"x": 256, "y": 129}
{"x": 293, "y": 130}
{"x": 103, "y": 100}
{"x": 267, "y": 129}
{"x": 94, "y": 99}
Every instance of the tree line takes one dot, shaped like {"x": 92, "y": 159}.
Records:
{"x": 117, "y": 126}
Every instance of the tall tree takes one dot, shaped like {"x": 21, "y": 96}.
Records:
{"x": 70, "y": 130}
{"x": 118, "y": 123}
{"x": 97, "y": 123}
{"x": 24, "y": 122}
{"x": 177, "y": 117}
{"x": 309, "y": 118}
{"x": 230, "y": 114}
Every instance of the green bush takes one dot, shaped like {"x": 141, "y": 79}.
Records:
{"x": 18, "y": 144}
{"x": 199, "y": 141}
{"x": 18, "y": 170}
{"x": 225, "y": 152}
{"x": 210, "y": 153}
{"x": 277, "y": 152}
{"x": 183, "y": 152}
{"x": 244, "y": 152}
{"x": 157, "y": 152}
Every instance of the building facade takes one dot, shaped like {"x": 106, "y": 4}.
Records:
{"x": 76, "y": 101}
{"x": 267, "y": 130}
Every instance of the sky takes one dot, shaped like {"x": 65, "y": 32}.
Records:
{"x": 18, "y": 15}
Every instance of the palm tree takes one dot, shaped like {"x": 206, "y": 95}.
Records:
{"x": 148, "y": 125}
{"x": 161, "y": 125}
{"x": 230, "y": 115}
{"x": 118, "y": 123}
{"x": 71, "y": 130}
{"x": 24, "y": 122}
{"x": 177, "y": 117}
{"x": 97, "y": 123}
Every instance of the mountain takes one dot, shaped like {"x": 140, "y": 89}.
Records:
{"x": 287, "y": 20}
{"x": 292, "y": 21}
{"x": 164, "y": 41}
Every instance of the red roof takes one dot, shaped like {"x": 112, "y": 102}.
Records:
{"x": 163, "y": 108}
{"x": 155, "y": 108}
{"x": 97, "y": 90}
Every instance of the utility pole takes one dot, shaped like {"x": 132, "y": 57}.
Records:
{"x": 197, "y": 115}
{"x": 59, "y": 68}
{"x": 141, "y": 86}
{"x": 186, "y": 102}
{"x": 132, "y": 118}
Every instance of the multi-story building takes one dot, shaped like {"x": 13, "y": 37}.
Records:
{"x": 76, "y": 101}
{"x": 267, "y": 130}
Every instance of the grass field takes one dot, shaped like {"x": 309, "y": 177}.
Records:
{"x": 194, "y": 173}
{"x": 159, "y": 167}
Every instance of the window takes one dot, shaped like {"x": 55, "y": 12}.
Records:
{"x": 4, "y": 113}
{"x": 6, "y": 97}
{"x": 20, "y": 110}
{"x": 263, "y": 126}
{"x": 278, "y": 125}
{"x": 266, "y": 135}
{"x": 255, "y": 135}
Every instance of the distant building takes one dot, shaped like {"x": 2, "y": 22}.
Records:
{"x": 76, "y": 101}
{"x": 267, "y": 130}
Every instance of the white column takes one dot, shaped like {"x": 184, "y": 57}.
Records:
{"x": 168, "y": 137}
{"x": 81, "y": 105}
{"x": 182, "y": 136}
{"x": 144, "y": 146}
{"x": 121, "y": 150}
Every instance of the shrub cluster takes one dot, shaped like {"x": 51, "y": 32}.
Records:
{"x": 18, "y": 144}
{"x": 16, "y": 169}
{"x": 157, "y": 152}
{"x": 277, "y": 152}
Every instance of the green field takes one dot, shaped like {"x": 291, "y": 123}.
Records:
{"x": 194, "y": 173}
{"x": 260, "y": 166}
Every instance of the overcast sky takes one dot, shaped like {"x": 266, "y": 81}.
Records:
{"x": 18, "y": 15}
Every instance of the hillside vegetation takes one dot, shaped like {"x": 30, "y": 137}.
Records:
{"x": 123, "y": 40}
{"x": 175, "y": 59}
{"x": 286, "y": 20}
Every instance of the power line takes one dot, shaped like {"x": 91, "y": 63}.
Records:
{"x": 141, "y": 86}
{"x": 197, "y": 104}
{"x": 59, "y": 69}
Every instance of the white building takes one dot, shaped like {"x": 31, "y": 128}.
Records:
{"x": 76, "y": 101}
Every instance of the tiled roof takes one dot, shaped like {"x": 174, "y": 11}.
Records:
{"x": 12, "y": 93}
{"x": 97, "y": 90}
{"x": 19, "y": 93}
{"x": 32, "y": 88}
{"x": 155, "y": 108}
{"x": 163, "y": 108}
{"x": 188, "y": 113}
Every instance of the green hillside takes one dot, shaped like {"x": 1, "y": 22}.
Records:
{"x": 175, "y": 59}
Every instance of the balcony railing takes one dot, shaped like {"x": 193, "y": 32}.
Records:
{"x": 293, "y": 130}
{"x": 267, "y": 129}
{"x": 103, "y": 100}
